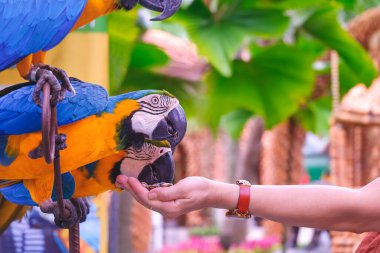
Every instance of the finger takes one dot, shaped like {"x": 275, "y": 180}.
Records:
{"x": 170, "y": 207}
{"x": 166, "y": 193}
{"x": 140, "y": 191}
{"x": 122, "y": 182}
{"x": 141, "y": 195}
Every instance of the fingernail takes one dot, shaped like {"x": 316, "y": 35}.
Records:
{"x": 152, "y": 195}
{"x": 121, "y": 180}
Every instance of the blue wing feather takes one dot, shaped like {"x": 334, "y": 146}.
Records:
{"x": 19, "y": 194}
{"x": 68, "y": 186}
{"x": 19, "y": 114}
{"x": 28, "y": 26}
{"x": 5, "y": 158}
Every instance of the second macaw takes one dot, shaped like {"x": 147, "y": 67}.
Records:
{"x": 152, "y": 163}
{"x": 96, "y": 126}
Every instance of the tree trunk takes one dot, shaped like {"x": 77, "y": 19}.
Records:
{"x": 120, "y": 222}
{"x": 247, "y": 167}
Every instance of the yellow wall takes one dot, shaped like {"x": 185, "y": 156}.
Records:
{"x": 82, "y": 55}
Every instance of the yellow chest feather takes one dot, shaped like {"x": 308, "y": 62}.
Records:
{"x": 93, "y": 10}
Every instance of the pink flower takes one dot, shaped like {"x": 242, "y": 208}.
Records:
{"x": 196, "y": 244}
{"x": 266, "y": 244}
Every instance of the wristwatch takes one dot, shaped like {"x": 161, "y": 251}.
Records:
{"x": 242, "y": 209}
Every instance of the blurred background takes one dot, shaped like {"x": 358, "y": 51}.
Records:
{"x": 275, "y": 91}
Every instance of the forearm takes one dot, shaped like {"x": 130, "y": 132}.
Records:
{"x": 327, "y": 207}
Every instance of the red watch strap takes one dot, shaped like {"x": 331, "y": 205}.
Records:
{"x": 244, "y": 198}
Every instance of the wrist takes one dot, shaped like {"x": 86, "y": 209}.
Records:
{"x": 242, "y": 210}
{"x": 223, "y": 195}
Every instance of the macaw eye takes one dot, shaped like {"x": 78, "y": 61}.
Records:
{"x": 155, "y": 100}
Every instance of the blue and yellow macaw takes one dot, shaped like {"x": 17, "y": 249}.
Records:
{"x": 29, "y": 28}
{"x": 96, "y": 126}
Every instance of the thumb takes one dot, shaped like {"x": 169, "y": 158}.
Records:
{"x": 121, "y": 182}
{"x": 166, "y": 193}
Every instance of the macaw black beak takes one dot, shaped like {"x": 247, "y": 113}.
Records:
{"x": 161, "y": 170}
{"x": 172, "y": 128}
{"x": 166, "y": 7}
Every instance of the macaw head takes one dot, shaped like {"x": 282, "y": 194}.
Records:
{"x": 166, "y": 7}
{"x": 159, "y": 117}
{"x": 152, "y": 163}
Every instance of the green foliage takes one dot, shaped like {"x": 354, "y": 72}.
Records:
{"x": 123, "y": 34}
{"x": 298, "y": 4}
{"x": 324, "y": 26}
{"x": 285, "y": 38}
{"x": 204, "y": 231}
{"x": 189, "y": 94}
{"x": 219, "y": 35}
{"x": 153, "y": 56}
{"x": 356, "y": 7}
{"x": 316, "y": 115}
{"x": 235, "y": 121}
{"x": 272, "y": 85}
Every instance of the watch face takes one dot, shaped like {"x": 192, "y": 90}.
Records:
{"x": 243, "y": 182}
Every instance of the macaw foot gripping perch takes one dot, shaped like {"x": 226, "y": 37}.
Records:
{"x": 76, "y": 211}
{"x": 55, "y": 77}
{"x": 51, "y": 153}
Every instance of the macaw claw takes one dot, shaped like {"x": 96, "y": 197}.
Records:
{"x": 76, "y": 209}
{"x": 55, "y": 77}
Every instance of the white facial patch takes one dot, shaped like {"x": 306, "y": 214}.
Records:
{"x": 136, "y": 160}
{"x": 153, "y": 108}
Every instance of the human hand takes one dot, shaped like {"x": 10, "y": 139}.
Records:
{"x": 189, "y": 194}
